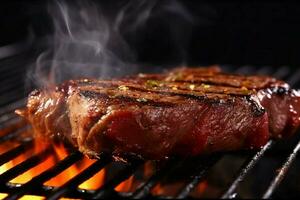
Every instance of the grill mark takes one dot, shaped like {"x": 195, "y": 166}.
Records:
{"x": 212, "y": 78}
{"x": 199, "y": 80}
{"x": 224, "y": 84}
{"x": 277, "y": 87}
{"x": 167, "y": 87}
{"x": 257, "y": 109}
{"x": 209, "y": 71}
{"x": 193, "y": 96}
{"x": 248, "y": 83}
{"x": 186, "y": 97}
{"x": 123, "y": 98}
{"x": 190, "y": 94}
{"x": 178, "y": 90}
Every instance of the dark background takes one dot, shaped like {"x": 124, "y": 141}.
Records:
{"x": 223, "y": 32}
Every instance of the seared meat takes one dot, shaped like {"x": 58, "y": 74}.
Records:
{"x": 187, "y": 111}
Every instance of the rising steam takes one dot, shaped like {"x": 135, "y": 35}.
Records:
{"x": 86, "y": 42}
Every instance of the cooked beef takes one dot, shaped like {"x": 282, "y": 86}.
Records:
{"x": 187, "y": 112}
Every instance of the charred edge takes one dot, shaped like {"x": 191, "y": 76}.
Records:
{"x": 185, "y": 81}
{"x": 127, "y": 99}
{"x": 257, "y": 109}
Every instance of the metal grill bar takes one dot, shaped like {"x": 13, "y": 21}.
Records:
{"x": 201, "y": 171}
{"x": 12, "y": 95}
{"x": 245, "y": 169}
{"x": 8, "y": 119}
{"x": 24, "y": 166}
{"x": 11, "y": 154}
{"x": 5, "y": 73}
{"x": 13, "y": 134}
{"x": 9, "y": 76}
{"x": 294, "y": 79}
{"x": 246, "y": 69}
{"x": 108, "y": 189}
{"x": 7, "y": 116}
{"x": 284, "y": 169}
{"x": 11, "y": 83}
{"x": 13, "y": 69}
{"x": 265, "y": 70}
{"x": 17, "y": 61}
{"x": 282, "y": 72}
{"x": 144, "y": 189}
{"x": 46, "y": 175}
{"x": 11, "y": 107}
{"x": 80, "y": 178}
{"x": 43, "y": 191}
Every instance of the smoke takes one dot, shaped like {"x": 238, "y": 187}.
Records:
{"x": 88, "y": 42}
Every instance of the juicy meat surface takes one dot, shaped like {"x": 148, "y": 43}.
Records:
{"x": 186, "y": 111}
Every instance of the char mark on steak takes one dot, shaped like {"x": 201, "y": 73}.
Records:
{"x": 186, "y": 111}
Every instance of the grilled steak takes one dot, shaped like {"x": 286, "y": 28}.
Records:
{"x": 187, "y": 112}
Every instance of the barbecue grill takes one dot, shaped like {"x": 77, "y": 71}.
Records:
{"x": 259, "y": 173}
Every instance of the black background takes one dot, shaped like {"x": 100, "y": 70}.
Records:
{"x": 224, "y": 32}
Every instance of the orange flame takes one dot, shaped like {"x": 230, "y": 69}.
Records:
{"x": 125, "y": 186}
{"x": 59, "y": 153}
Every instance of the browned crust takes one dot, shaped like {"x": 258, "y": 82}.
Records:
{"x": 178, "y": 86}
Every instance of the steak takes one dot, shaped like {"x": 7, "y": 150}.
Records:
{"x": 183, "y": 112}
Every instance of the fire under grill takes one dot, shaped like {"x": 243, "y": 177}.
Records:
{"x": 26, "y": 169}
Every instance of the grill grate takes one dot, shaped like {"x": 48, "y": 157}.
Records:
{"x": 12, "y": 127}
{"x": 281, "y": 174}
{"x": 248, "y": 165}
